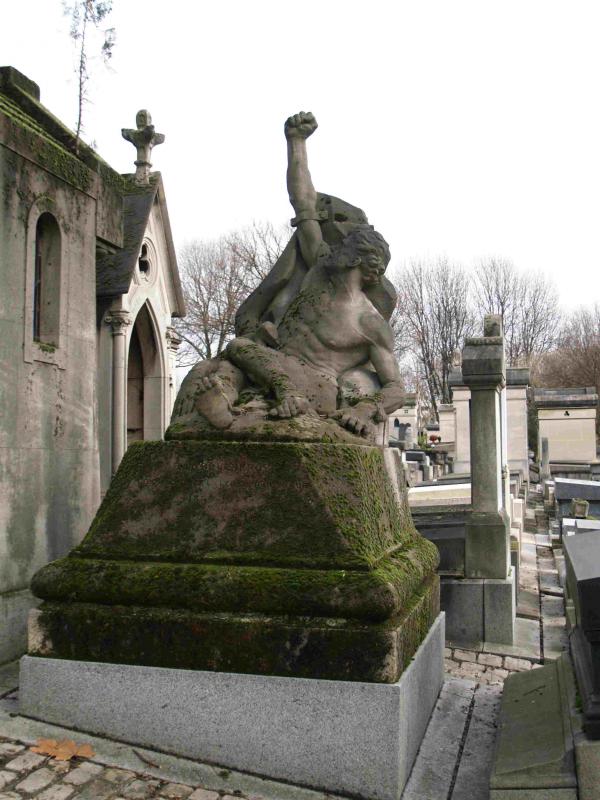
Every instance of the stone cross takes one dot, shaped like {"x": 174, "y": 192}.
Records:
{"x": 144, "y": 137}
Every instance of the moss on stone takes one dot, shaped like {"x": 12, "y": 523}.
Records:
{"x": 267, "y": 558}
{"x": 309, "y": 647}
{"x": 292, "y": 504}
{"x": 375, "y": 595}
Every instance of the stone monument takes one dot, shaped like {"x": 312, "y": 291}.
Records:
{"x": 263, "y": 547}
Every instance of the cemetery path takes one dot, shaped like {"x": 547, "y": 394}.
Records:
{"x": 453, "y": 763}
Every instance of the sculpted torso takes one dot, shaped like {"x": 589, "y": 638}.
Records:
{"x": 328, "y": 326}
{"x": 329, "y": 329}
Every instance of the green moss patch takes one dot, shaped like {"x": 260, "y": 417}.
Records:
{"x": 292, "y": 504}
{"x": 373, "y": 596}
{"x": 306, "y": 647}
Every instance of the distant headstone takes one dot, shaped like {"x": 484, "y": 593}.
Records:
{"x": 580, "y": 508}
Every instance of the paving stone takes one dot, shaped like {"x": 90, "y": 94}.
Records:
{"x": 447, "y": 652}
{"x": 118, "y": 775}
{"x": 96, "y": 789}
{"x": 89, "y": 766}
{"x": 177, "y": 791}
{"x": 59, "y": 791}
{"x": 25, "y": 762}
{"x": 36, "y": 781}
{"x": 499, "y": 674}
{"x": 140, "y": 790}
{"x": 516, "y": 664}
{"x": 83, "y": 773}
{"x": 449, "y": 665}
{"x": 60, "y": 767}
{"x": 432, "y": 773}
{"x": 489, "y": 660}
{"x": 473, "y": 777}
{"x": 465, "y": 655}
{"x": 11, "y": 748}
{"x": 6, "y": 778}
{"x": 204, "y": 794}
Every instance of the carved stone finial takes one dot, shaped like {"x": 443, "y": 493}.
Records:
{"x": 144, "y": 137}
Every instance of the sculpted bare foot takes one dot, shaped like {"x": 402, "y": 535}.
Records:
{"x": 290, "y": 405}
{"x": 212, "y": 402}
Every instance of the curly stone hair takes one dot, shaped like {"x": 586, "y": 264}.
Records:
{"x": 347, "y": 253}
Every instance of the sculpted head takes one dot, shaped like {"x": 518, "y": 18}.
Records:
{"x": 362, "y": 248}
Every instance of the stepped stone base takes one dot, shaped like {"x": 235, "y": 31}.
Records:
{"x": 347, "y": 737}
{"x": 292, "y": 559}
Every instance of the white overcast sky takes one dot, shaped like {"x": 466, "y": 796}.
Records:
{"x": 462, "y": 128}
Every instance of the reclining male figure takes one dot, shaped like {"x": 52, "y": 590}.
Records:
{"x": 330, "y": 328}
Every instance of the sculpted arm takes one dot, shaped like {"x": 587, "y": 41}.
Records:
{"x": 303, "y": 196}
{"x": 359, "y": 417}
{"x": 386, "y": 367}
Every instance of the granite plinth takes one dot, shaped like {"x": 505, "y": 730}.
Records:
{"x": 347, "y": 737}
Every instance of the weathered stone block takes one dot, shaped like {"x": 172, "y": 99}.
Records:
{"x": 284, "y": 559}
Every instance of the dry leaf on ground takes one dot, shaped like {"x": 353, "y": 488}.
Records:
{"x": 63, "y": 750}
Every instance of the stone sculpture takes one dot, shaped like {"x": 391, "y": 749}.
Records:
{"x": 313, "y": 341}
{"x": 265, "y": 536}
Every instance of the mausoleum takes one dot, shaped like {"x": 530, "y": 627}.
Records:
{"x": 88, "y": 288}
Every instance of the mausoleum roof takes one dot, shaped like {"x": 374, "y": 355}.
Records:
{"x": 114, "y": 270}
{"x": 27, "y": 126}
{"x": 571, "y": 397}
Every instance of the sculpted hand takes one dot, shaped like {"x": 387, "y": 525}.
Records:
{"x": 300, "y": 126}
{"x": 290, "y": 406}
{"x": 357, "y": 419}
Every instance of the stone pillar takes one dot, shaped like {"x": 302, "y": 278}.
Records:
{"x": 487, "y": 545}
{"x": 545, "y": 465}
{"x": 119, "y": 321}
{"x": 173, "y": 342}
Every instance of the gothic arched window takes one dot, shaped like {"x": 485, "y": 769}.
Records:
{"x": 46, "y": 281}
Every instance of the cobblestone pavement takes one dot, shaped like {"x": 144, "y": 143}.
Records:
{"x": 24, "y": 773}
{"x": 454, "y": 761}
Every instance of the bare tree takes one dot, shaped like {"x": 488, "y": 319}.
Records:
{"x": 432, "y": 318}
{"x": 83, "y": 14}
{"x": 216, "y": 277}
{"x": 576, "y": 359}
{"x": 528, "y": 304}
{"x": 259, "y": 246}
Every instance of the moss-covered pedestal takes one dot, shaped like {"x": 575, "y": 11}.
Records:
{"x": 289, "y": 559}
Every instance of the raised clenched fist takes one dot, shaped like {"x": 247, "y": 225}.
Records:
{"x": 300, "y": 126}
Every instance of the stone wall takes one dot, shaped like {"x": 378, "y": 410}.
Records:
{"x": 48, "y": 439}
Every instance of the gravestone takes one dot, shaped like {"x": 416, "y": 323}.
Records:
{"x": 568, "y": 489}
{"x": 447, "y": 417}
{"x": 582, "y": 557}
{"x": 517, "y": 381}
{"x": 258, "y": 574}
